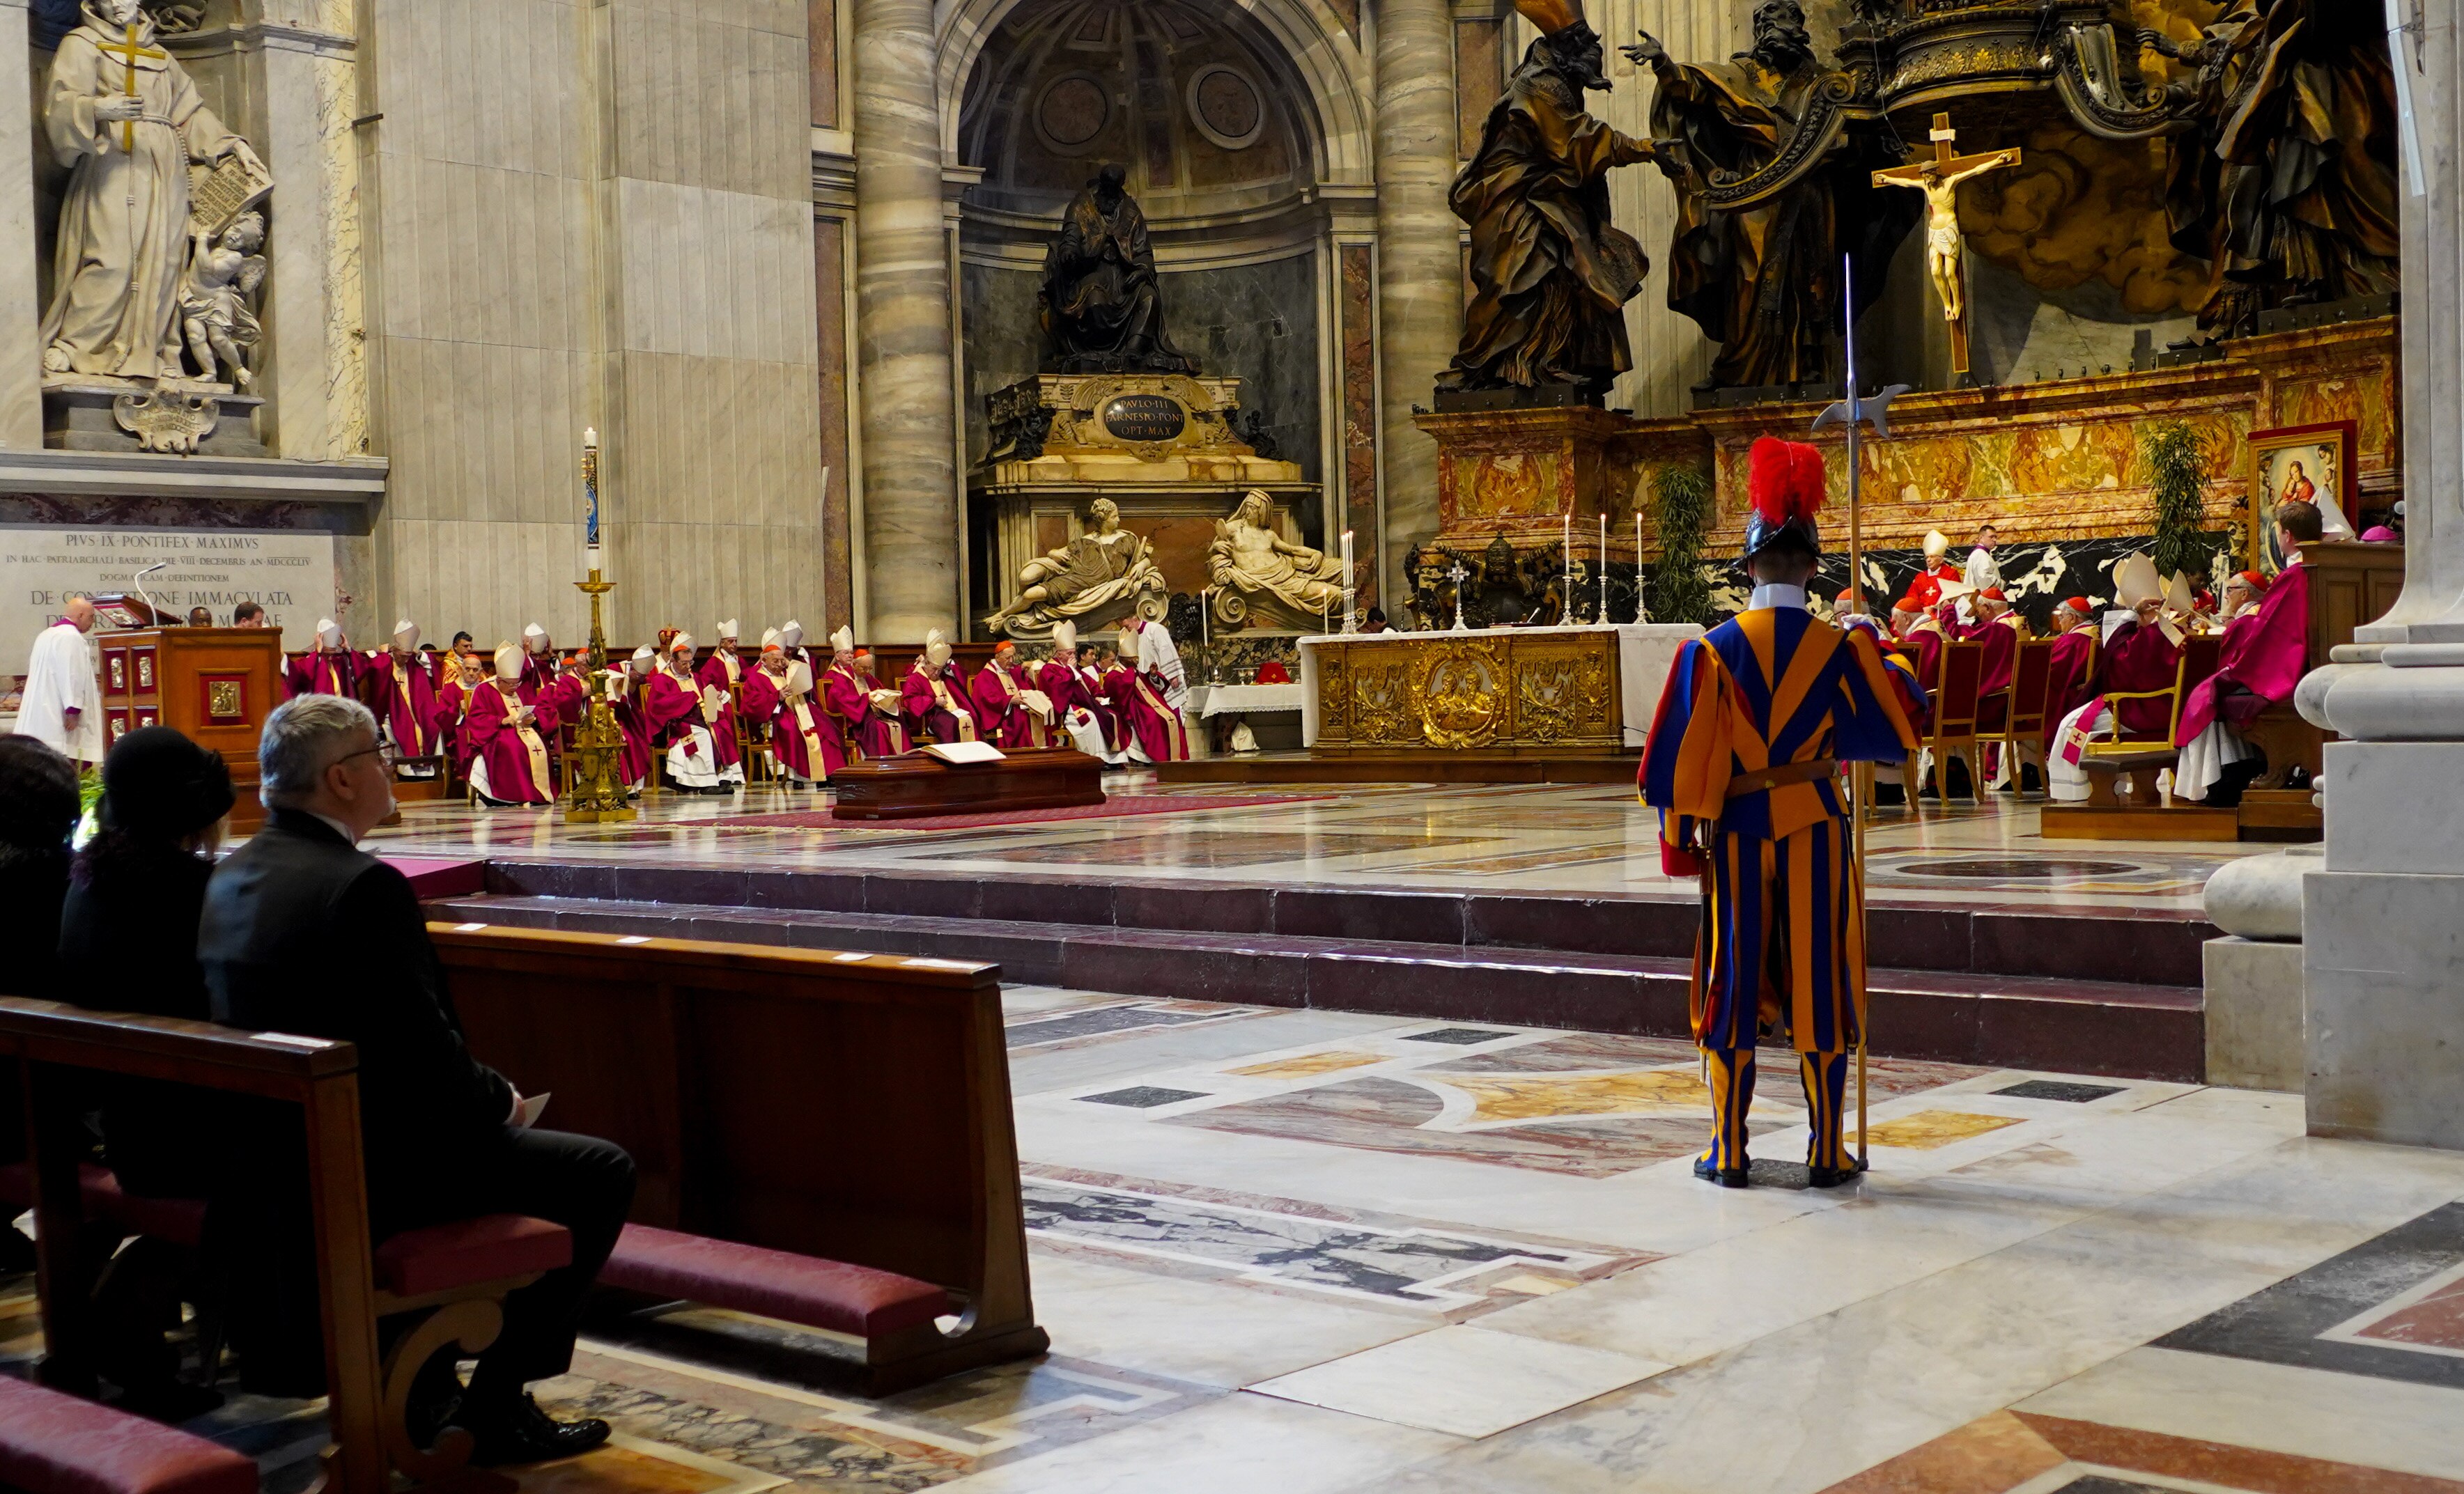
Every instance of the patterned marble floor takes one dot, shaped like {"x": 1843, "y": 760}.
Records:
{"x": 1576, "y": 839}
{"x": 1325, "y": 1253}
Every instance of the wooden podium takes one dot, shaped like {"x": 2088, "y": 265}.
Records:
{"x": 215, "y": 684}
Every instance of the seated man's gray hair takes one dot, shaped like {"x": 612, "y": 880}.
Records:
{"x": 302, "y": 738}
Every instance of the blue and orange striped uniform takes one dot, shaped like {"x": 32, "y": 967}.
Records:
{"x": 1783, "y": 943}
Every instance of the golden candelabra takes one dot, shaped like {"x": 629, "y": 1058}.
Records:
{"x": 594, "y": 777}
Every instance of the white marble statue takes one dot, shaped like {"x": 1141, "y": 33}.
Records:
{"x": 213, "y": 300}
{"x": 126, "y": 120}
{"x": 1092, "y": 580}
{"x": 1276, "y": 581}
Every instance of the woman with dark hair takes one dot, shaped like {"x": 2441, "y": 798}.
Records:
{"x": 38, "y": 808}
{"x": 128, "y": 934}
{"x": 128, "y": 943}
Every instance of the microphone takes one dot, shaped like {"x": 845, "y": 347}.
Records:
{"x": 140, "y": 581}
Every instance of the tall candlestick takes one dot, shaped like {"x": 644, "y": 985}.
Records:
{"x": 1566, "y": 588}
{"x": 1350, "y": 611}
{"x": 1637, "y": 562}
{"x": 1604, "y": 567}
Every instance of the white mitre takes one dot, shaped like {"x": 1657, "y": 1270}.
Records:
{"x": 406, "y": 635}
{"x": 329, "y": 634}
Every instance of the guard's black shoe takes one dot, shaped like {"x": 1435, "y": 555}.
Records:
{"x": 517, "y": 1431}
{"x": 1724, "y": 1176}
{"x": 1831, "y": 1176}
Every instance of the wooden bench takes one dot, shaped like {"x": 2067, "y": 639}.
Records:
{"x": 449, "y": 1278}
{"x": 836, "y": 1128}
{"x": 52, "y": 1443}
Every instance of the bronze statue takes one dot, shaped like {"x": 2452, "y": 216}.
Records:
{"x": 1102, "y": 308}
{"x": 1551, "y": 277}
{"x": 2286, "y": 182}
{"x": 1762, "y": 275}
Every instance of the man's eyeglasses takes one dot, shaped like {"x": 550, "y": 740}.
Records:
{"x": 384, "y": 754}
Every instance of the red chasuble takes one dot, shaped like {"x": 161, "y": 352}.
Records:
{"x": 2265, "y": 652}
{"x": 1923, "y": 644}
{"x": 2069, "y": 675}
{"x": 940, "y": 710}
{"x": 848, "y": 698}
{"x": 2001, "y": 640}
{"x": 407, "y": 701}
{"x": 1075, "y": 689}
{"x": 720, "y": 672}
{"x": 2137, "y": 659}
{"x": 324, "y": 673}
{"x": 1007, "y": 721}
{"x": 514, "y": 757}
{"x": 1155, "y": 728}
{"x": 802, "y": 737}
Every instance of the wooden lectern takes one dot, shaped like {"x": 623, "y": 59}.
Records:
{"x": 216, "y": 685}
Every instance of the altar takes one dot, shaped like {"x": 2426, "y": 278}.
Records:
{"x": 1511, "y": 691}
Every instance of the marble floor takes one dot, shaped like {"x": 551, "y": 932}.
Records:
{"x": 1315, "y": 1252}
{"x": 1557, "y": 839}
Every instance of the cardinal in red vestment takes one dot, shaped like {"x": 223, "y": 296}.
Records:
{"x": 1006, "y": 703}
{"x": 508, "y": 755}
{"x": 935, "y": 698}
{"x": 885, "y": 734}
{"x": 2266, "y": 652}
{"x": 1076, "y": 697}
{"x": 330, "y": 669}
{"x": 407, "y": 683}
{"x": 797, "y": 732}
{"x": 722, "y": 671}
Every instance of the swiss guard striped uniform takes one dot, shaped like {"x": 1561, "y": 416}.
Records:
{"x": 1742, "y": 762}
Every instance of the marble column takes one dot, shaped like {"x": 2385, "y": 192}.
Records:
{"x": 1419, "y": 265}
{"x": 2383, "y": 921}
{"x": 310, "y": 84}
{"x": 21, "y": 311}
{"x": 903, "y": 367}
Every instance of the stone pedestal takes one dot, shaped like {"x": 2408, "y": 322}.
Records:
{"x": 1524, "y": 472}
{"x": 119, "y": 415}
{"x": 1159, "y": 446}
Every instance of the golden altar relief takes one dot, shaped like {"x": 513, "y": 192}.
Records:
{"x": 1493, "y": 690}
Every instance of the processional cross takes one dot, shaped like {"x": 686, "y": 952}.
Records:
{"x": 132, "y": 52}
{"x": 1458, "y": 576}
{"x": 1939, "y": 180}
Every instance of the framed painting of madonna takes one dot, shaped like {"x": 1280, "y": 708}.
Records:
{"x": 2306, "y": 464}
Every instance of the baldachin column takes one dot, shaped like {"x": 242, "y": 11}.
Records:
{"x": 908, "y": 414}
{"x": 1420, "y": 266}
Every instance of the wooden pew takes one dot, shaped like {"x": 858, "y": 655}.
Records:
{"x": 49, "y": 1048}
{"x": 849, "y": 1107}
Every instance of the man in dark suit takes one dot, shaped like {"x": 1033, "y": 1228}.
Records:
{"x": 304, "y": 934}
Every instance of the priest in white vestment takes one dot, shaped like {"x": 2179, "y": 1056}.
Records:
{"x": 63, "y": 706}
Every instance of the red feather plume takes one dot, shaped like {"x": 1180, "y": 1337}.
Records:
{"x": 1785, "y": 479}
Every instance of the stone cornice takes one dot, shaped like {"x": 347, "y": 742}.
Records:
{"x": 262, "y": 37}
{"x": 357, "y": 484}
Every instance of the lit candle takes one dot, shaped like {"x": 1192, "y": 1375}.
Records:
{"x": 1565, "y": 592}
{"x": 590, "y": 493}
{"x": 1604, "y": 566}
{"x": 1637, "y": 562}
{"x": 1348, "y": 608}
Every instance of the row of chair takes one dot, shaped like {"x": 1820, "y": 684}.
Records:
{"x": 2022, "y": 718}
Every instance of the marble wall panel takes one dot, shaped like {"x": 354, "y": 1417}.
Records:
{"x": 1356, "y": 311}
{"x": 654, "y": 278}
{"x": 822, "y": 29}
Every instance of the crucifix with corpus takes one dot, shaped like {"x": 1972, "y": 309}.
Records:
{"x": 1939, "y": 180}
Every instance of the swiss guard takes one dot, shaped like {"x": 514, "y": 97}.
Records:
{"x": 1743, "y": 764}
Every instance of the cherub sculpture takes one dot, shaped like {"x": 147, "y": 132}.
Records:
{"x": 213, "y": 299}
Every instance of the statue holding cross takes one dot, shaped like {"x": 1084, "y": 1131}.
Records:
{"x": 123, "y": 116}
{"x": 1939, "y": 180}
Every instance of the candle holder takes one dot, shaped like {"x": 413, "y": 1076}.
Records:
{"x": 1350, "y": 610}
{"x": 594, "y": 769}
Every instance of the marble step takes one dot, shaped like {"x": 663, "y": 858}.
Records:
{"x": 2076, "y": 1026}
{"x": 2036, "y": 940}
